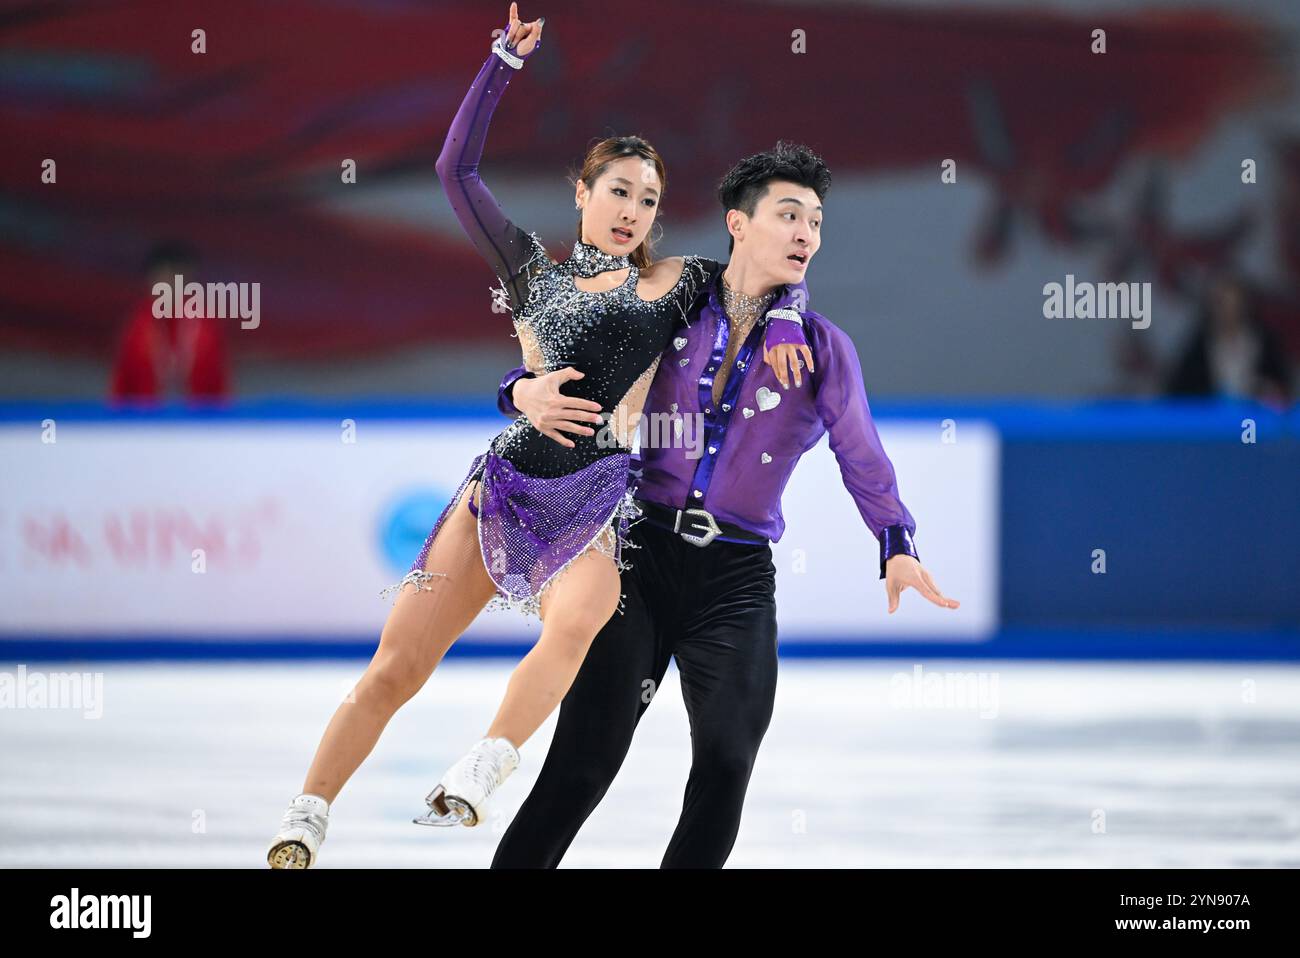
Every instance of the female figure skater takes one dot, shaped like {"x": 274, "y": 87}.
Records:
{"x": 535, "y": 526}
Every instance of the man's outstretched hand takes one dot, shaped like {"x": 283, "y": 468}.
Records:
{"x": 902, "y": 572}
{"x": 550, "y": 411}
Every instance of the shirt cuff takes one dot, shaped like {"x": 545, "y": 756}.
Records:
{"x": 895, "y": 540}
{"x": 504, "y": 398}
{"x": 781, "y": 330}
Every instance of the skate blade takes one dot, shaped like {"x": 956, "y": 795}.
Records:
{"x": 289, "y": 855}
{"x": 433, "y": 818}
{"x": 458, "y": 812}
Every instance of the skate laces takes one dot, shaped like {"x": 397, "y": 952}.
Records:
{"x": 296, "y": 817}
{"x": 484, "y": 769}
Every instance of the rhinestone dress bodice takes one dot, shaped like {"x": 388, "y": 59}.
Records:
{"x": 612, "y": 336}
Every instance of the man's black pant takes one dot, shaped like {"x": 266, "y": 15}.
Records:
{"x": 714, "y": 608}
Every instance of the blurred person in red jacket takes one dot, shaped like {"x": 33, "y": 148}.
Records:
{"x": 160, "y": 359}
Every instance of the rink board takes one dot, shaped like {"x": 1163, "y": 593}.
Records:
{"x": 267, "y": 530}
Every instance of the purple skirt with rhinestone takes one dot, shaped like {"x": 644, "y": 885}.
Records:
{"x": 531, "y": 528}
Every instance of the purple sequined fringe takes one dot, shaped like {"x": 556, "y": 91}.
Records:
{"x": 531, "y": 529}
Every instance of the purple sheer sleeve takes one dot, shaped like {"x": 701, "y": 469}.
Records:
{"x": 784, "y": 324}
{"x": 513, "y": 254}
{"x": 781, "y": 331}
{"x": 868, "y": 474}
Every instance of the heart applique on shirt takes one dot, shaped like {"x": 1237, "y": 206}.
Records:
{"x": 767, "y": 399}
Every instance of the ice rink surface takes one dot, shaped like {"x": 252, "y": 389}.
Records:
{"x": 866, "y": 764}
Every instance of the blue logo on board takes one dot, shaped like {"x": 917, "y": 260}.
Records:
{"x": 404, "y": 527}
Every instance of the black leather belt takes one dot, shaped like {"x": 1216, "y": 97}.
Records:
{"x": 697, "y": 526}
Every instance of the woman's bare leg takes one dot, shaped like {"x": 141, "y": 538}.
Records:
{"x": 421, "y": 627}
{"x": 573, "y": 611}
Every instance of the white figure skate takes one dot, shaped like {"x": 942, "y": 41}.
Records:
{"x": 461, "y": 795}
{"x": 301, "y": 832}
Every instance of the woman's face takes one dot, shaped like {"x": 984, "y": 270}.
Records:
{"x": 619, "y": 208}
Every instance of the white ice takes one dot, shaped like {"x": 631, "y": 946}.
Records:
{"x": 1092, "y": 765}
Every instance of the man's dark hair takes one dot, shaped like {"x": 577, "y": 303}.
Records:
{"x": 746, "y": 183}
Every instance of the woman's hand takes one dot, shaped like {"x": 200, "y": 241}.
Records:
{"x": 901, "y": 572}
{"x": 550, "y": 410}
{"x": 784, "y": 359}
{"x": 523, "y": 38}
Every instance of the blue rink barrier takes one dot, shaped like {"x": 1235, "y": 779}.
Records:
{"x": 1192, "y": 645}
{"x": 1200, "y": 531}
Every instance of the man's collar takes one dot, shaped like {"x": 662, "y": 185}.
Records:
{"x": 789, "y": 296}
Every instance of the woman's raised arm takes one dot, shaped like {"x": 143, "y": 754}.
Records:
{"x": 507, "y": 248}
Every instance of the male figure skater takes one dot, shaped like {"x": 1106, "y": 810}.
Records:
{"x": 702, "y": 583}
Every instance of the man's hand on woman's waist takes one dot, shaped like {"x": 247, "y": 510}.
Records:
{"x": 550, "y": 410}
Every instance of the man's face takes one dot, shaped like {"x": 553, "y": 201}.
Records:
{"x": 783, "y": 235}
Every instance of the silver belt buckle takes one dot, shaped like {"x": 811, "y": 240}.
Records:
{"x": 710, "y": 525}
